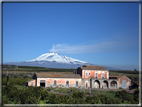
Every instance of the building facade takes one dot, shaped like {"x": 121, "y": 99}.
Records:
{"x": 84, "y": 77}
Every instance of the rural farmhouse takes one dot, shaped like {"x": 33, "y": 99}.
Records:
{"x": 84, "y": 77}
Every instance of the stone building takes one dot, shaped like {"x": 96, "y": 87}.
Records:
{"x": 84, "y": 77}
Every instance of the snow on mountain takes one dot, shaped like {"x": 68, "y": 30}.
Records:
{"x": 56, "y": 58}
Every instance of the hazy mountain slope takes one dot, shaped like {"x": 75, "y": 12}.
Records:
{"x": 54, "y": 60}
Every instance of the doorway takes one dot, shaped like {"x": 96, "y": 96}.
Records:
{"x": 86, "y": 85}
{"x": 42, "y": 83}
{"x": 124, "y": 85}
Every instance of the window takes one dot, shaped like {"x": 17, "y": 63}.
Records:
{"x": 31, "y": 83}
{"x": 76, "y": 83}
{"x": 96, "y": 75}
{"x": 55, "y": 82}
{"x": 103, "y": 75}
{"x": 67, "y": 83}
{"x": 86, "y": 74}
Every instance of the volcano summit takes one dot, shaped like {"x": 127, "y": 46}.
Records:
{"x": 52, "y": 60}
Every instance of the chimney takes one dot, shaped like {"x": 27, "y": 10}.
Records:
{"x": 75, "y": 72}
{"x": 7, "y": 78}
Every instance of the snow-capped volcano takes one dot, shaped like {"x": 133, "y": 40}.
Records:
{"x": 58, "y": 58}
{"x": 52, "y": 60}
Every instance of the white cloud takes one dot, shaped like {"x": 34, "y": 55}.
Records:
{"x": 102, "y": 45}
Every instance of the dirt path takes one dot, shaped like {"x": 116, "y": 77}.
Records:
{"x": 129, "y": 91}
{"x": 108, "y": 89}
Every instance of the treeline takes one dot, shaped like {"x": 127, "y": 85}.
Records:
{"x": 134, "y": 78}
{"x": 16, "y": 81}
{"x": 34, "y": 69}
{"x": 31, "y": 67}
{"x": 9, "y": 66}
{"x": 124, "y": 72}
{"x": 36, "y": 95}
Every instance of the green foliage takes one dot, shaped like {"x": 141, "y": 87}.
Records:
{"x": 123, "y": 96}
{"x": 5, "y": 100}
{"x": 30, "y": 95}
{"x": 32, "y": 100}
{"x": 4, "y": 75}
{"x": 136, "y": 95}
{"x": 77, "y": 94}
{"x": 15, "y": 81}
{"x": 92, "y": 100}
{"x": 79, "y": 101}
{"x": 54, "y": 99}
{"x": 4, "y": 81}
{"x": 9, "y": 66}
{"x": 68, "y": 100}
{"x": 122, "y": 72}
{"x": 103, "y": 99}
{"x": 25, "y": 76}
{"x": 35, "y": 69}
{"x": 15, "y": 76}
{"x": 35, "y": 95}
{"x": 134, "y": 78}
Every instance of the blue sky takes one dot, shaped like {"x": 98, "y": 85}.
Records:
{"x": 99, "y": 33}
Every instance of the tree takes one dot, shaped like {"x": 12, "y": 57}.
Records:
{"x": 135, "y": 69}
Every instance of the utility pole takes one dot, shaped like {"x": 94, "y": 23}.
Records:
{"x": 7, "y": 78}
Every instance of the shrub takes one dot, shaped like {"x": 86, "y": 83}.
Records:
{"x": 30, "y": 95}
{"x": 25, "y": 76}
{"x": 136, "y": 95}
{"x": 67, "y": 99}
{"x": 5, "y": 100}
{"x": 77, "y": 94}
{"x": 103, "y": 98}
{"x": 92, "y": 100}
{"x": 122, "y": 95}
{"x": 15, "y": 76}
{"x": 21, "y": 75}
{"x": 32, "y": 100}
{"x": 44, "y": 94}
{"x": 51, "y": 98}
{"x": 4, "y": 81}
{"x": 7, "y": 89}
{"x": 4, "y": 75}
{"x": 79, "y": 101}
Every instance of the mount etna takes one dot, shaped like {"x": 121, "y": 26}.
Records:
{"x": 53, "y": 60}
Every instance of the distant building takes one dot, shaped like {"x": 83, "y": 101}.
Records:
{"x": 85, "y": 76}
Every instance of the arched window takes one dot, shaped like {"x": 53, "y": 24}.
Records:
{"x": 103, "y": 75}
{"x": 55, "y": 82}
{"x": 31, "y": 83}
{"x": 89, "y": 73}
{"x": 76, "y": 83}
{"x": 86, "y": 74}
{"x": 96, "y": 74}
{"x": 67, "y": 83}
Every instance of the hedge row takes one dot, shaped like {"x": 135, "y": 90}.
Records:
{"x": 33, "y": 95}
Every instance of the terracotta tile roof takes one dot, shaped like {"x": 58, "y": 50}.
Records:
{"x": 117, "y": 77}
{"x": 113, "y": 77}
{"x": 57, "y": 75}
{"x": 92, "y": 67}
{"x": 29, "y": 80}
